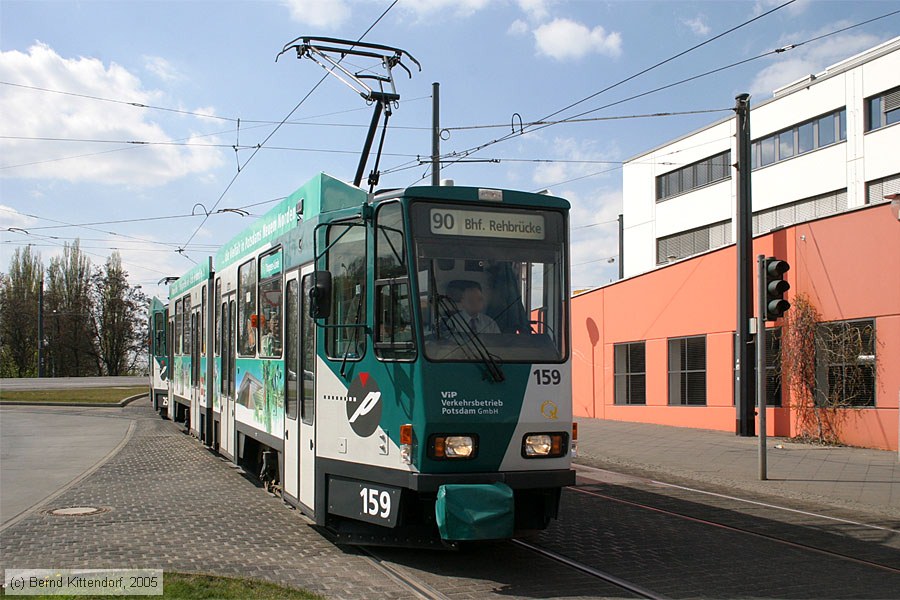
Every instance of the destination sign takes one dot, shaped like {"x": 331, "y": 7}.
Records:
{"x": 446, "y": 221}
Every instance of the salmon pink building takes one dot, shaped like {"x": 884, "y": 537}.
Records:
{"x": 659, "y": 345}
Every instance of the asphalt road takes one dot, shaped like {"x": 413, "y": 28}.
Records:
{"x": 42, "y": 449}
{"x": 64, "y": 383}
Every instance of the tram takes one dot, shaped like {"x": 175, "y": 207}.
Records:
{"x": 158, "y": 355}
{"x": 395, "y": 365}
{"x": 189, "y": 393}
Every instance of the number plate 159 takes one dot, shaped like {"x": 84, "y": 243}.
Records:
{"x": 365, "y": 501}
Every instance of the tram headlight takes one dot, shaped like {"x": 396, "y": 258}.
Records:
{"x": 545, "y": 445}
{"x": 453, "y": 447}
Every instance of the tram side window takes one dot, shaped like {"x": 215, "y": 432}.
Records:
{"x": 217, "y": 341}
{"x": 159, "y": 328}
{"x": 177, "y": 345}
{"x": 202, "y": 327}
{"x": 247, "y": 309}
{"x": 393, "y": 311}
{"x": 307, "y": 372}
{"x": 292, "y": 350}
{"x": 347, "y": 263}
{"x": 270, "y": 306}
{"x": 186, "y": 347}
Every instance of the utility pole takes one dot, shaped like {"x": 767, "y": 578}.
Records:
{"x": 41, "y": 330}
{"x": 744, "y": 405}
{"x": 435, "y": 133}
{"x": 621, "y": 246}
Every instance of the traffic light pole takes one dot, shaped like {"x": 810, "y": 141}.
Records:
{"x": 763, "y": 298}
{"x": 744, "y": 405}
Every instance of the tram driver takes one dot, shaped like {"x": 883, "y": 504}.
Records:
{"x": 471, "y": 315}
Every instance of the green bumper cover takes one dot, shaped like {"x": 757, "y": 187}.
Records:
{"x": 475, "y": 511}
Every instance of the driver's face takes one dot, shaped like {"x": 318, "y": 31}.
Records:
{"x": 472, "y": 301}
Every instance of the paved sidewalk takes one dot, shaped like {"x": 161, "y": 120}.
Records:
{"x": 860, "y": 480}
{"x": 168, "y": 503}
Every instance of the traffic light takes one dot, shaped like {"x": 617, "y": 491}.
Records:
{"x": 776, "y": 288}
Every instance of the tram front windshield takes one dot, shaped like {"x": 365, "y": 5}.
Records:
{"x": 491, "y": 282}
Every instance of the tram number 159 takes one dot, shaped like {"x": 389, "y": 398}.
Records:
{"x": 363, "y": 500}
{"x": 375, "y": 503}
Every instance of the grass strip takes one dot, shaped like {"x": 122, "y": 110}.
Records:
{"x": 98, "y": 395}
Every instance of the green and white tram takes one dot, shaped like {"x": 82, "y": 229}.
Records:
{"x": 396, "y": 364}
{"x": 158, "y": 355}
{"x": 190, "y": 399}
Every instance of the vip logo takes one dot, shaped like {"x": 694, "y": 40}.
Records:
{"x": 364, "y": 405}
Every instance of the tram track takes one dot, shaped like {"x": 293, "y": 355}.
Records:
{"x": 740, "y": 530}
{"x": 417, "y": 587}
{"x": 618, "y": 582}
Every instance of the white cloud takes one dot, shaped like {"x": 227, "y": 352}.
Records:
{"x": 565, "y": 39}
{"x": 595, "y": 235}
{"x": 36, "y": 114}
{"x": 537, "y": 10}
{"x": 571, "y": 149}
{"x": 10, "y": 217}
{"x": 327, "y": 14}
{"x": 697, "y": 25}
{"x": 811, "y": 59}
{"x": 794, "y": 9}
{"x": 518, "y": 27}
{"x": 162, "y": 68}
{"x": 424, "y": 9}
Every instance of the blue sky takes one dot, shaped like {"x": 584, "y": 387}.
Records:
{"x": 200, "y": 66}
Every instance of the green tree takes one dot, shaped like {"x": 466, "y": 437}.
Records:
{"x": 19, "y": 297}
{"x": 68, "y": 327}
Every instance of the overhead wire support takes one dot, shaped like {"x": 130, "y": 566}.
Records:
{"x": 324, "y": 50}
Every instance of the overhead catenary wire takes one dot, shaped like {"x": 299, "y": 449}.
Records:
{"x": 644, "y": 71}
{"x": 277, "y": 127}
{"x": 468, "y": 152}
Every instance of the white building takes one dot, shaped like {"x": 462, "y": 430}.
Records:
{"x": 826, "y": 143}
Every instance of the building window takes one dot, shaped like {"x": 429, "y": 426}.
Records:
{"x": 695, "y": 241}
{"x": 687, "y": 371}
{"x": 845, "y": 364}
{"x": 705, "y": 172}
{"x": 631, "y": 373}
{"x": 800, "y": 211}
{"x": 773, "y": 367}
{"x": 877, "y": 190}
{"x": 883, "y": 110}
{"x": 803, "y": 137}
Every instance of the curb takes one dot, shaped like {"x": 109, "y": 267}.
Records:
{"x": 119, "y": 404}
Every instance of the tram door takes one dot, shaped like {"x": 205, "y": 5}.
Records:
{"x": 229, "y": 313}
{"x": 307, "y": 379}
{"x": 293, "y": 380}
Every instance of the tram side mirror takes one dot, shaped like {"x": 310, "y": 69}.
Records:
{"x": 320, "y": 295}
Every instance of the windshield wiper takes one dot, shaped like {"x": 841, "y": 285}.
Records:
{"x": 493, "y": 367}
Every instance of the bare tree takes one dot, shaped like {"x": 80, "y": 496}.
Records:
{"x": 19, "y": 293}
{"x": 829, "y": 369}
